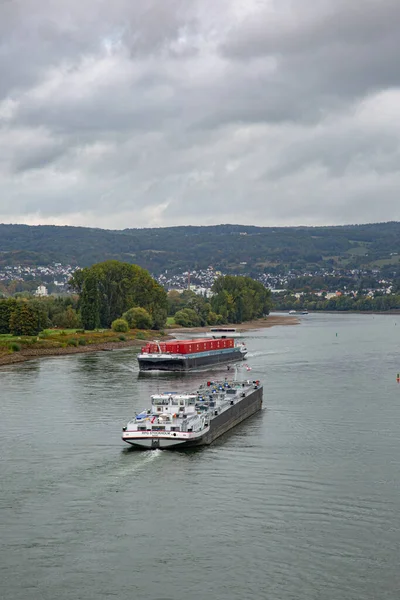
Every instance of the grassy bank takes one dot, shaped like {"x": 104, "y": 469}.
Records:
{"x": 55, "y": 342}
{"x": 67, "y": 341}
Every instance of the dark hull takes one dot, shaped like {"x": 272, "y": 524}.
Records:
{"x": 195, "y": 361}
{"x": 243, "y": 409}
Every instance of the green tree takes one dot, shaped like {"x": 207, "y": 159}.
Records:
{"x": 175, "y": 302}
{"x": 68, "y": 319}
{"x": 90, "y": 302}
{"x": 138, "y": 318}
{"x": 240, "y": 299}
{"x": 40, "y": 306}
{"x": 24, "y": 320}
{"x": 114, "y": 288}
{"x": 187, "y": 317}
{"x": 212, "y": 318}
{"x": 120, "y": 326}
{"x": 6, "y": 308}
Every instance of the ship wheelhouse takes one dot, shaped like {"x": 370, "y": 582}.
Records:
{"x": 170, "y": 413}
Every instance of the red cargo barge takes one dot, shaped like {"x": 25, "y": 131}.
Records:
{"x": 183, "y": 355}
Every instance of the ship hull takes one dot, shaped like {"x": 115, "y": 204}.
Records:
{"x": 227, "y": 420}
{"x": 154, "y": 443}
{"x": 189, "y": 361}
{"x": 237, "y": 413}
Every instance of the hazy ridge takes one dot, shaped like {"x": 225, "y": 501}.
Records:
{"x": 232, "y": 248}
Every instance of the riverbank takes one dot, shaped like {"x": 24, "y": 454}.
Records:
{"x": 270, "y": 321}
{"x": 30, "y": 353}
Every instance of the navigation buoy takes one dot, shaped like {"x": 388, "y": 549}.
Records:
{"x": 398, "y": 377}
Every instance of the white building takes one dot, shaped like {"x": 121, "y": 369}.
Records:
{"x": 41, "y": 291}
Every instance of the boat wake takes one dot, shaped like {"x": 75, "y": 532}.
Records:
{"x": 129, "y": 368}
{"x": 142, "y": 460}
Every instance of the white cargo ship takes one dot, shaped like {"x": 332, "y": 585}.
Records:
{"x": 196, "y": 418}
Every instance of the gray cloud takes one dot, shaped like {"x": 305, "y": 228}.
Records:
{"x": 129, "y": 114}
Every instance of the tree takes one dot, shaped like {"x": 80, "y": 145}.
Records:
{"x": 109, "y": 289}
{"x": 138, "y": 318}
{"x": 90, "y": 302}
{"x": 187, "y": 317}
{"x": 240, "y": 299}
{"x": 41, "y": 310}
{"x": 24, "y": 320}
{"x": 68, "y": 319}
{"x": 120, "y": 326}
{"x": 6, "y": 309}
{"x": 212, "y": 318}
{"x": 175, "y": 302}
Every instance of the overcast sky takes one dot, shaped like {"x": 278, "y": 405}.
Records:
{"x": 120, "y": 113}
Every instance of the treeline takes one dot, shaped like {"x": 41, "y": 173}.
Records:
{"x": 25, "y": 317}
{"x": 234, "y": 300}
{"x": 125, "y": 296}
{"x": 231, "y": 248}
{"x": 330, "y": 282}
{"x": 105, "y": 292}
{"x": 361, "y": 303}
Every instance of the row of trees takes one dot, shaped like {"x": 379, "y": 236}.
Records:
{"x": 361, "y": 303}
{"x": 125, "y": 296}
{"x": 105, "y": 292}
{"x": 234, "y": 300}
{"x": 30, "y": 316}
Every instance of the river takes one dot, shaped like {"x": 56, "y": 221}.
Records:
{"x": 300, "y": 502}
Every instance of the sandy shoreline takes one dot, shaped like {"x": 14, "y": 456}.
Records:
{"x": 31, "y": 353}
{"x": 270, "y": 321}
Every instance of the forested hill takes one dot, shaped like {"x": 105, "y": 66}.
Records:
{"x": 232, "y": 248}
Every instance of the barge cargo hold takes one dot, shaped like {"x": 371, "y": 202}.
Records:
{"x": 183, "y": 355}
{"x": 177, "y": 420}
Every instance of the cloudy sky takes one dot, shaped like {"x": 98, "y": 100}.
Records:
{"x": 120, "y": 113}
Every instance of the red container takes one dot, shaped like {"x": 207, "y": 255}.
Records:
{"x": 188, "y": 346}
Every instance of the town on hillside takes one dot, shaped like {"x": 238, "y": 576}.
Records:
{"x": 53, "y": 279}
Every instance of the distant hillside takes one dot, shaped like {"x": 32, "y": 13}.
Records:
{"x": 229, "y": 247}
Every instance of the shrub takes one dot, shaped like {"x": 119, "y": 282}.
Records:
{"x": 187, "y": 317}
{"x": 80, "y": 331}
{"x": 122, "y": 338}
{"x": 14, "y": 347}
{"x": 72, "y": 342}
{"x": 82, "y": 342}
{"x": 68, "y": 318}
{"x": 140, "y": 336}
{"x": 212, "y": 318}
{"x": 120, "y": 325}
{"x": 138, "y": 318}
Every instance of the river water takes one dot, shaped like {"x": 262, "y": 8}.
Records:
{"x": 300, "y": 502}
